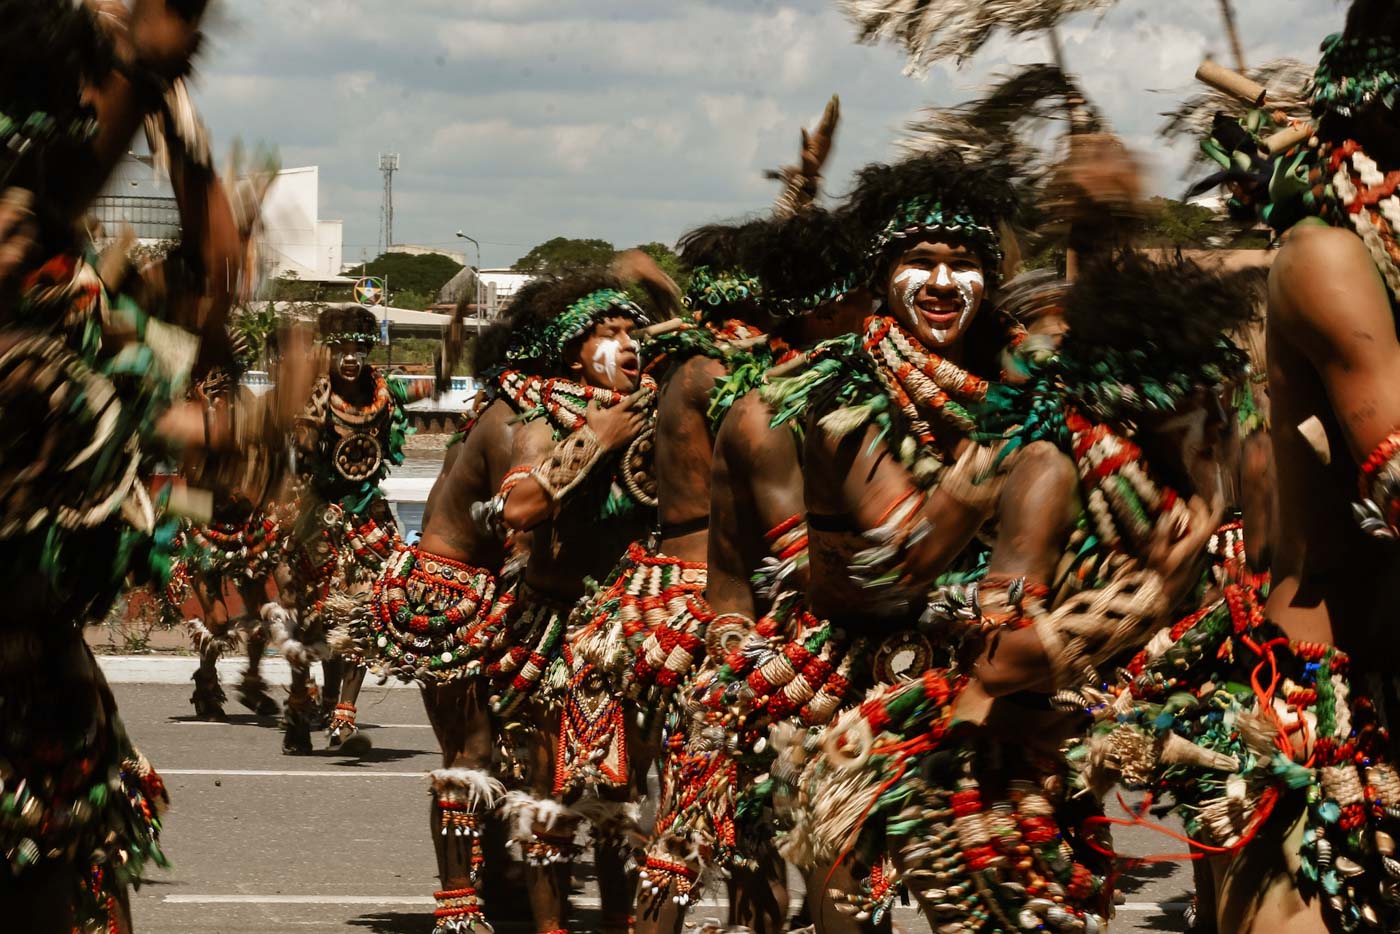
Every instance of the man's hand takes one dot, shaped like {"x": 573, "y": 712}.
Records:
{"x": 1178, "y": 544}
{"x": 614, "y": 427}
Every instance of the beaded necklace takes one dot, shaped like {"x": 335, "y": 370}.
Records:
{"x": 1367, "y": 196}
{"x": 920, "y": 380}
{"x": 355, "y": 416}
{"x": 565, "y": 402}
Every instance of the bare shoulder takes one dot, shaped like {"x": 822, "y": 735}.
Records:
{"x": 1044, "y": 481}
{"x": 1322, "y": 281}
{"x": 699, "y": 375}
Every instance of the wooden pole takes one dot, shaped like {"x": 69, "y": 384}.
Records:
{"x": 1227, "y": 13}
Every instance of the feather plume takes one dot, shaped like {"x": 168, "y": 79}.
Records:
{"x": 479, "y": 788}
{"x": 932, "y": 30}
{"x": 1009, "y": 123}
{"x": 802, "y": 182}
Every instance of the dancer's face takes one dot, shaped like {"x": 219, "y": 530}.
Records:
{"x": 935, "y": 290}
{"x": 607, "y": 358}
{"x": 347, "y": 361}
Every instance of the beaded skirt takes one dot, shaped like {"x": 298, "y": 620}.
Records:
{"x": 1227, "y": 718}
{"x": 628, "y": 648}
{"x": 431, "y": 619}
{"x": 74, "y": 791}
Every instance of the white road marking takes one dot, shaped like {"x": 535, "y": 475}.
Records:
{"x": 292, "y": 773}
{"x": 577, "y": 902}
{"x": 177, "y": 669}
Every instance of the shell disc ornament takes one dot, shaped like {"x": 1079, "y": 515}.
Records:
{"x": 357, "y": 457}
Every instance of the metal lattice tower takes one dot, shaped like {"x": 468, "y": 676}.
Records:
{"x": 388, "y": 165}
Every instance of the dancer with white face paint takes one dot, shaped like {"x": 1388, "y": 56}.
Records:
{"x": 581, "y": 486}
{"x": 896, "y": 491}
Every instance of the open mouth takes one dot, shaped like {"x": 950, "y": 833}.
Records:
{"x": 630, "y": 366}
{"x": 941, "y": 315}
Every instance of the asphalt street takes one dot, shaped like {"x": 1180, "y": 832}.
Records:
{"x": 263, "y": 843}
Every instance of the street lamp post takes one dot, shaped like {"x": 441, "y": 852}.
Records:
{"x": 476, "y": 280}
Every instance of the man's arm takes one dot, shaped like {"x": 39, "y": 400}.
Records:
{"x": 1329, "y": 303}
{"x": 877, "y": 492}
{"x": 556, "y": 468}
{"x": 527, "y": 502}
{"x": 756, "y": 484}
{"x": 1037, "y": 514}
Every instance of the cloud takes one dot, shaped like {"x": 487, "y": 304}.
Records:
{"x": 632, "y": 120}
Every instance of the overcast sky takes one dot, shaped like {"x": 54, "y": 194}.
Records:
{"x": 634, "y": 120}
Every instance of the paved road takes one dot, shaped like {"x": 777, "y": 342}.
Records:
{"x": 266, "y": 844}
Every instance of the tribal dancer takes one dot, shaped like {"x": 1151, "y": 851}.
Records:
{"x": 886, "y": 421}
{"x": 91, "y": 385}
{"x": 350, "y": 435}
{"x": 580, "y": 489}
{"x": 239, "y": 547}
{"x": 1294, "y": 691}
{"x": 898, "y": 786}
{"x": 808, "y": 264}
{"x": 438, "y": 606}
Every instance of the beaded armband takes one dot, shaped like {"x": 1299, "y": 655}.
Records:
{"x": 1093, "y": 626}
{"x": 981, "y": 609}
{"x": 787, "y": 554}
{"x": 568, "y": 463}
{"x": 902, "y": 526}
{"x": 1379, "y": 509}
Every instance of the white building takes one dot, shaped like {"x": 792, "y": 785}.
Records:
{"x": 495, "y": 287}
{"x": 294, "y": 238}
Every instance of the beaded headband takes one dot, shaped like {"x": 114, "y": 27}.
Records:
{"x": 578, "y": 318}
{"x": 342, "y": 337}
{"x": 797, "y": 307}
{"x": 922, "y": 218}
{"x": 526, "y": 343}
{"x": 714, "y": 289}
{"x": 1354, "y": 72}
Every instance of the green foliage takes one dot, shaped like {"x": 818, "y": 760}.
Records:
{"x": 563, "y": 255}
{"x": 411, "y": 277}
{"x": 417, "y": 353}
{"x": 289, "y": 288}
{"x": 1169, "y": 223}
{"x": 667, "y": 259}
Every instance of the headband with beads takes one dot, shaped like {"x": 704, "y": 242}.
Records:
{"x": 922, "y": 218}
{"x": 1353, "y": 73}
{"x": 578, "y": 318}
{"x": 712, "y": 290}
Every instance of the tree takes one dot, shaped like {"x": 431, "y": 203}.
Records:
{"x": 1170, "y": 223}
{"x": 563, "y": 255}
{"x": 667, "y": 259}
{"x": 421, "y": 275}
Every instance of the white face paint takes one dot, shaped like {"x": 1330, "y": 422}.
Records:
{"x": 606, "y": 354}
{"x": 967, "y": 281}
{"x": 912, "y": 281}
